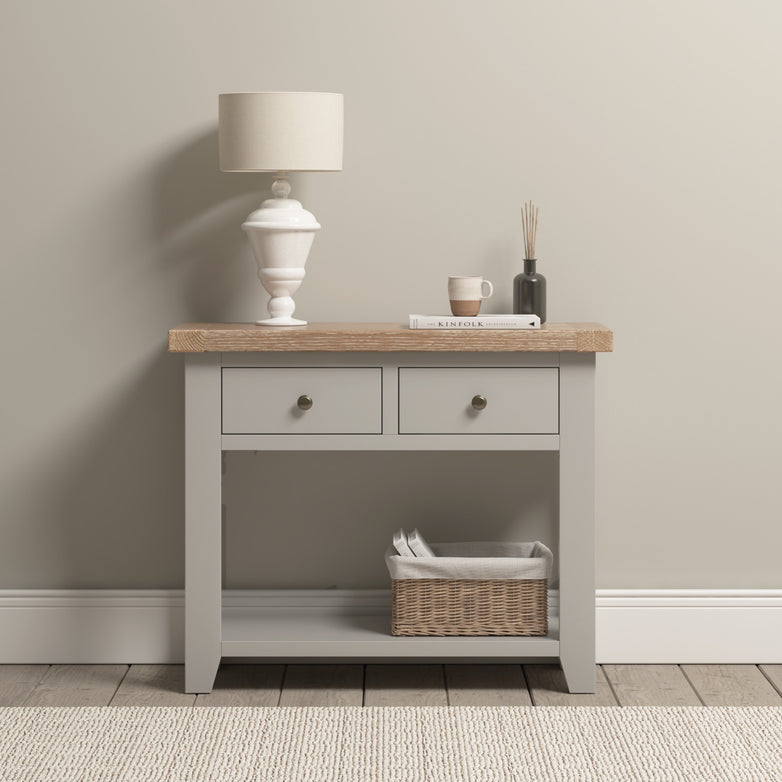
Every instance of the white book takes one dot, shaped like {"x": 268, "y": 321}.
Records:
{"x": 478, "y": 322}
{"x": 401, "y": 545}
{"x": 418, "y": 545}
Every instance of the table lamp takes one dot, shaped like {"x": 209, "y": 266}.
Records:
{"x": 280, "y": 132}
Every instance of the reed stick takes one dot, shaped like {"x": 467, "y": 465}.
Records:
{"x": 529, "y": 225}
{"x": 535, "y": 232}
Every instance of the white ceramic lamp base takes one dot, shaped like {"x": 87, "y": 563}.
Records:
{"x": 281, "y": 283}
{"x": 281, "y": 234}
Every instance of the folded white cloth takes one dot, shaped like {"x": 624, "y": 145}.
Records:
{"x": 481, "y": 560}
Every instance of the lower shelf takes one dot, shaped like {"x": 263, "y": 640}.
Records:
{"x": 309, "y": 632}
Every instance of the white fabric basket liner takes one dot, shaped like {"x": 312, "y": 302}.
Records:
{"x": 480, "y": 560}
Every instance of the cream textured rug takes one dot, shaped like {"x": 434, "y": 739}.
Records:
{"x": 390, "y": 744}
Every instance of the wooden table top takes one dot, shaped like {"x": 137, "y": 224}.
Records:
{"x": 385, "y": 337}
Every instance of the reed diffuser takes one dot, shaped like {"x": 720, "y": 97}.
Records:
{"x": 529, "y": 287}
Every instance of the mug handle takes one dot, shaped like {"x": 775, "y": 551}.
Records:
{"x": 491, "y": 289}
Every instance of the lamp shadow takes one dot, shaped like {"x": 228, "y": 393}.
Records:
{"x": 189, "y": 184}
{"x": 197, "y": 214}
{"x": 112, "y": 512}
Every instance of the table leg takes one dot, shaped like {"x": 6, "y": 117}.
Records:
{"x": 203, "y": 478}
{"x": 577, "y": 520}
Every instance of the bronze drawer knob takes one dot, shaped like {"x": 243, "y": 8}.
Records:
{"x": 479, "y": 402}
{"x": 304, "y": 402}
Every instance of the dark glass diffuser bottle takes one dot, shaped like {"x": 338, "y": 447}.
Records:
{"x": 529, "y": 291}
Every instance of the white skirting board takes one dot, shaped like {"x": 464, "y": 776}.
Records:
{"x": 147, "y": 626}
{"x": 689, "y": 625}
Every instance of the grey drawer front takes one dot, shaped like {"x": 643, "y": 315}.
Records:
{"x": 518, "y": 400}
{"x": 345, "y": 400}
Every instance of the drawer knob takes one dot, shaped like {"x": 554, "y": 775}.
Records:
{"x": 304, "y": 402}
{"x": 479, "y": 402}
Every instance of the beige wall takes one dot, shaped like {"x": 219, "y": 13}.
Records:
{"x": 648, "y": 133}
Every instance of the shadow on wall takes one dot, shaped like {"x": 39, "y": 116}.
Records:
{"x": 197, "y": 215}
{"x": 124, "y": 497}
{"x": 333, "y": 514}
{"x": 100, "y": 504}
{"x": 95, "y": 498}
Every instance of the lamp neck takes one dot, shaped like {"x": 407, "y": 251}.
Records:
{"x": 281, "y": 187}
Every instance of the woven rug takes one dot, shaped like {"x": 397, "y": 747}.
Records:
{"x": 390, "y": 744}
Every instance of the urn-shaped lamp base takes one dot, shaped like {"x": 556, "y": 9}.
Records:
{"x": 281, "y": 234}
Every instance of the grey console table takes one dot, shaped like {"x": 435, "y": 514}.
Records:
{"x": 375, "y": 386}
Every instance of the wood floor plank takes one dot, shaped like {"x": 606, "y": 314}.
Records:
{"x": 323, "y": 685}
{"x": 547, "y": 687}
{"x": 77, "y": 685}
{"x": 732, "y": 685}
{"x": 774, "y": 673}
{"x": 18, "y": 681}
{"x": 390, "y": 685}
{"x": 245, "y": 685}
{"x": 486, "y": 685}
{"x": 650, "y": 685}
{"x": 405, "y": 685}
{"x": 153, "y": 685}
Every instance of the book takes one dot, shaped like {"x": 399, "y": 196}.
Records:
{"x": 418, "y": 545}
{"x": 478, "y": 322}
{"x": 401, "y": 545}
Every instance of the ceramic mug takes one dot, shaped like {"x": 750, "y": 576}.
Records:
{"x": 466, "y": 294}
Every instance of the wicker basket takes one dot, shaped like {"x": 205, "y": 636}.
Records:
{"x": 492, "y": 605}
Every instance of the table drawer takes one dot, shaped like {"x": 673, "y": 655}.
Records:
{"x": 344, "y": 400}
{"x": 517, "y": 400}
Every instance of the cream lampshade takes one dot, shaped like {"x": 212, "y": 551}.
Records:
{"x": 281, "y": 132}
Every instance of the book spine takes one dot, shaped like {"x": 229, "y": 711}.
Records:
{"x": 475, "y": 324}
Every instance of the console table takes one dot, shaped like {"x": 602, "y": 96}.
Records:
{"x": 380, "y": 386}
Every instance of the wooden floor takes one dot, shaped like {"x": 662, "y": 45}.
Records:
{"x": 390, "y": 685}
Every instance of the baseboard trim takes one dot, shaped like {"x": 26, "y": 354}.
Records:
{"x": 92, "y": 626}
{"x": 147, "y": 626}
{"x": 689, "y": 625}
